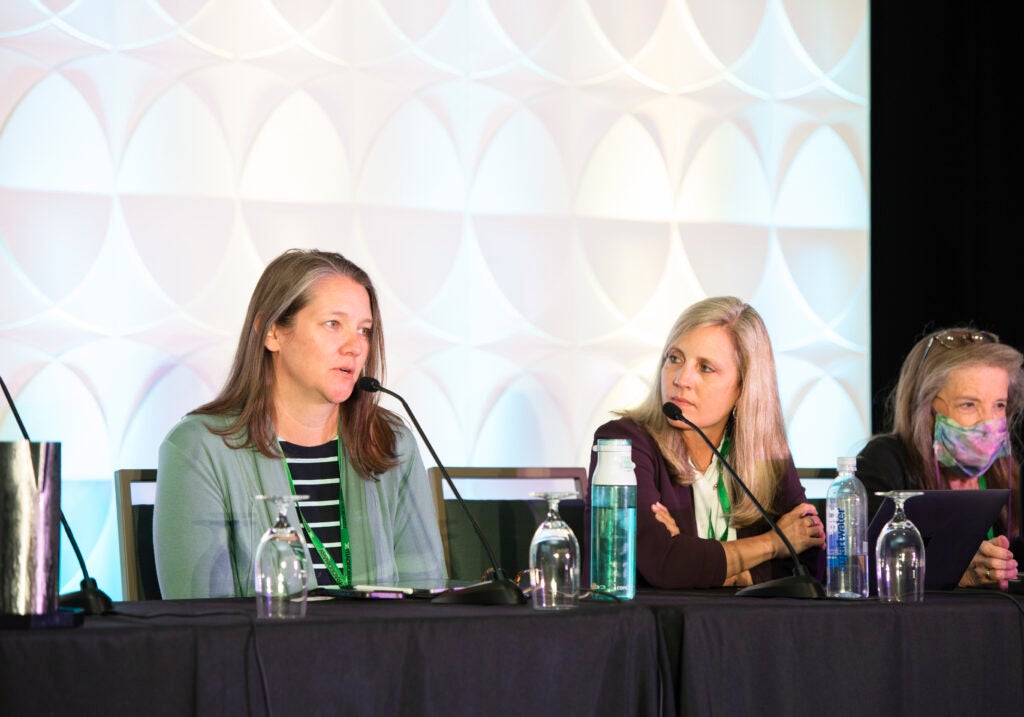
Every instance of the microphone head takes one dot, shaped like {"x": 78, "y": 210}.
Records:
{"x": 368, "y": 384}
{"x": 671, "y": 410}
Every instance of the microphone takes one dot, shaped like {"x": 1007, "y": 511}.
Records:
{"x": 499, "y": 590}
{"x": 800, "y": 584}
{"x": 90, "y": 598}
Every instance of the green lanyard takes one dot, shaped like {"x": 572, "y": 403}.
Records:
{"x": 338, "y": 572}
{"x": 723, "y": 499}
{"x": 982, "y": 485}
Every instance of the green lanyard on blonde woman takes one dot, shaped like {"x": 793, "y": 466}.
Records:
{"x": 723, "y": 498}
{"x": 338, "y": 572}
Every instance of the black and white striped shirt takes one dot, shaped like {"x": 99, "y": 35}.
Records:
{"x": 315, "y": 472}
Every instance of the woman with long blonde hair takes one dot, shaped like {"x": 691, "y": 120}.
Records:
{"x": 695, "y": 527}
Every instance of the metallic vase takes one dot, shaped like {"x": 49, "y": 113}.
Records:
{"x": 29, "y": 527}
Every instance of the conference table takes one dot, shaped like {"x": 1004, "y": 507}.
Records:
{"x": 664, "y": 653}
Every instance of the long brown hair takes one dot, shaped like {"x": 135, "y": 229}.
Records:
{"x": 285, "y": 288}
{"x": 760, "y": 451}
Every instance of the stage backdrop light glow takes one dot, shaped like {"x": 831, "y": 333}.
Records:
{"x": 538, "y": 188}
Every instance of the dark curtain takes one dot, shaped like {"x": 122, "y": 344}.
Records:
{"x": 945, "y": 177}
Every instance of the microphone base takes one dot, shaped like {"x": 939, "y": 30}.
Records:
{"x": 90, "y": 599}
{"x": 492, "y": 592}
{"x": 794, "y": 586}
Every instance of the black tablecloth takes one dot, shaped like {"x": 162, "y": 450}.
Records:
{"x": 957, "y": 653}
{"x": 694, "y": 653}
{"x": 356, "y": 657}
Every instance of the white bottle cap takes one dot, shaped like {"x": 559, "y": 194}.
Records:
{"x": 847, "y": 464}
{"x": 613, "y": 444}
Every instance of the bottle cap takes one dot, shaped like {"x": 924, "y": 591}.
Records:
{"x": 847, "y": 464}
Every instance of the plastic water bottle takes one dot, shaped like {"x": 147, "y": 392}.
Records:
{"x": 613, "y": 520}
{"x": 846, "y": 522}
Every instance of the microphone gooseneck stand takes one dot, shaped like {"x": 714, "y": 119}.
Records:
{"x": 798, "y": 585}
{"x": 90, "y": 598}
{"x": 499, "y": 590}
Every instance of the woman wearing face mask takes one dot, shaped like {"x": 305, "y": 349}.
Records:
{"x": 958, "y": 397}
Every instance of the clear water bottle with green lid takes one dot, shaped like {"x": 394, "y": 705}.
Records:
{"x": 613, "y": 521}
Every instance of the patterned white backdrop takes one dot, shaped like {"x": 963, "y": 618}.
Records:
{"x": 538, "y": 188}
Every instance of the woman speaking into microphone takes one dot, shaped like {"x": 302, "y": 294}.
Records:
{"x": 289, "y": 420}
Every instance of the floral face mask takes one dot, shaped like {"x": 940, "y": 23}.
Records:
{"x": 969, "y": 451}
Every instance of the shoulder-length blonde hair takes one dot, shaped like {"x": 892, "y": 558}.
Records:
{"x": 285, "y": 288}
{"x": 925, "y": 371}
{"x": 760, "y": 453}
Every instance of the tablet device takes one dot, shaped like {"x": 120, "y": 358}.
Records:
{"x": 952, "y": 524}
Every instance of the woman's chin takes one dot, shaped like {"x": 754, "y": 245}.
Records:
{"x": 341, "y": 390}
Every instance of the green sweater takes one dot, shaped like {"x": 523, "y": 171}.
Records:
{"x": 205, "y": 527}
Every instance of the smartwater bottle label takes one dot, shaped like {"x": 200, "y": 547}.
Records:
{"x": 837, "y": 540}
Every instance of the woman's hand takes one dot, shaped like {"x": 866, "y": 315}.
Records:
{"x": 992, "y": 566}
{"x": 802, "y": 527}
{"x": 740, "y": 581}
{"x": 662, "y": 515}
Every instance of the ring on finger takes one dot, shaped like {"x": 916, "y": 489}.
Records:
{"x": 988, "y": 573}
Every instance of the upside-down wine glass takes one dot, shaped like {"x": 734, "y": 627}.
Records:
{"x": 554, "y": 559}
{"x": 281, "y": 564}
{"x": 899, "y": 554}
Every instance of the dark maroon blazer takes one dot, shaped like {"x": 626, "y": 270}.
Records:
{"x": 687, "y": 561}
